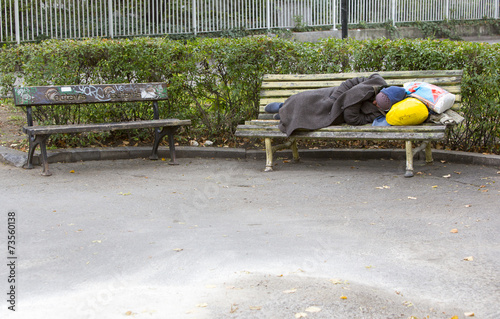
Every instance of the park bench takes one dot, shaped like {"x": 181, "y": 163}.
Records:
{"x": 49, "y": 96}
{"x": 277, "y": 88}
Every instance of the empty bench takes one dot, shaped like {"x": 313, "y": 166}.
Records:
{"x": 30, "y": 97}
{"x": 277, "y": 88}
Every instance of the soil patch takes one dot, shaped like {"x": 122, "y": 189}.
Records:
{"x": 12, "y": 120}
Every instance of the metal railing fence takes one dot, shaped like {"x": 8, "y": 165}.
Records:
{"x": 30, "y": 20}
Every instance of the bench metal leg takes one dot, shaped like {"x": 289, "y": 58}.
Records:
{"x": 269, "y": 154}
{"x": 170, "y": 131}
{"x": 409, "y": 159}
{"x": 270, "y": 150}
{"x": 171, "y": 145}
{"x": 410, "y": 154}
{"x": 33, "y": 143}
{"x": 295, "y": 150}
{"x": 428, "y": 154}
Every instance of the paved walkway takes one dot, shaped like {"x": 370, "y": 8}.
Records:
{"x": 218, "y": 238}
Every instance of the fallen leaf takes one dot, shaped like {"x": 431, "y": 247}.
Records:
{"x": 96, "y": 241}
{"x": 435, "y": 186}
{"x": 454, "y": 230}
{"x": 300, "y": 315}
{"x": 178, "y": 249}
{"x": 313, "y": 309}
{"x": 470, "y": 258}
{"x": 336, "y": 281}
{"x": 128, "y": 313}
{"x": 343, "y": 297}
{"x": 72, "y": 171}
{"x": 124, "y": 194}
{"x": 469, "y": 314}
{"x": 290, "y": 291}
{"x": 255, "y": 307}
{"x": 202, "y": 305}
{"x": 234, "y": 307}
{"x": 454, "y": 317}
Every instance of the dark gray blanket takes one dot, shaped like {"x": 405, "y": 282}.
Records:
{"x": 351, "y": 103}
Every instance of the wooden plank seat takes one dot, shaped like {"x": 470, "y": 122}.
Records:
{"x": 30, "y": 97}
{"x": 277, "y": 88}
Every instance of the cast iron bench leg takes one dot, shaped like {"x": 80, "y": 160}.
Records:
{"x": 170, "y": 131}
{"x": 39, "y": 140}
{"x": 171, "y": 145}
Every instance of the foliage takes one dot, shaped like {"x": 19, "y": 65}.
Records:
{"x": 215, "y": 81}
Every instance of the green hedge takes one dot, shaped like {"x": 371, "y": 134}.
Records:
{"x": 215, "y": 82}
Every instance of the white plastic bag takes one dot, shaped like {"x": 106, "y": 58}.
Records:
{"x": 435, "y": 98}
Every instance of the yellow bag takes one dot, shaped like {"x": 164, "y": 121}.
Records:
{"x": 409, "y": 111}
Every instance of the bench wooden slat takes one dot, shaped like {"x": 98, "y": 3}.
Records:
{"x": 345, "y": 76}
{"x": 91, "y": 93}
{"x": 442, "y": 82}
{"x": 423, "y": 132}
{"x": 102, "y": 127}
{"x": 291, "y": 90}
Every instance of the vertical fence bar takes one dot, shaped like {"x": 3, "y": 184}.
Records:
{"x": 16, "y": 21}
{"x": 194, "y": 18}
{"x": 394, "y": 12}
{"x": 268, "y": 14}
{"x": 110, "y": 19}
{"x": 334, "y": 17}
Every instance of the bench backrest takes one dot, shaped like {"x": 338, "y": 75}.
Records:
{"x": 86, "y": 94}
{"x": 278, "y": 87}
{"x": 89, "y": 94}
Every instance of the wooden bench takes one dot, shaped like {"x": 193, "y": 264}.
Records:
{"x": 30, "y": 97}
{"x": 277, "y": 88}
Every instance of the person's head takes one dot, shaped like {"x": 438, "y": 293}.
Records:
{"x": 389, "y": 96}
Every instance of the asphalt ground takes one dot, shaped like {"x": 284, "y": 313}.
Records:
{"x": 219, "y": 238}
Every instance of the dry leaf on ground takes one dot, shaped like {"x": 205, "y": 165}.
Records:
{"x": 313, "y": 309}
{"x": 290, "y": 291}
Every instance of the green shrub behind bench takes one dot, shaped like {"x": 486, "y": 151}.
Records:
{"x": 215, "y": 82}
